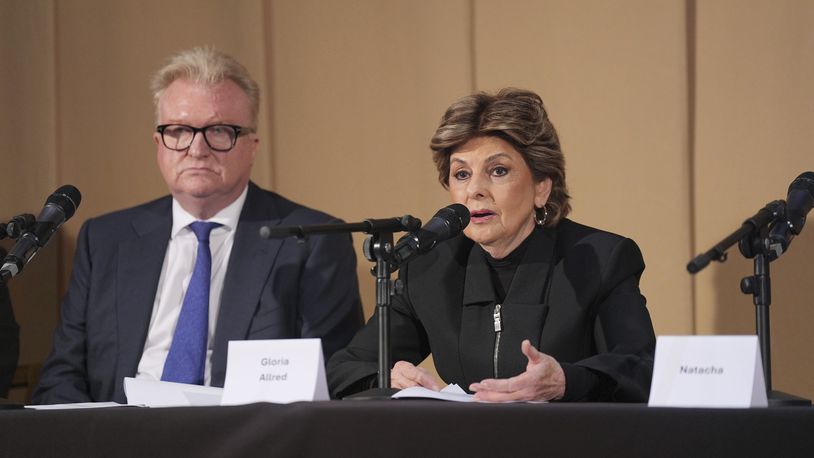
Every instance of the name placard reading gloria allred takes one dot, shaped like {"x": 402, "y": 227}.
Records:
{"x": 708, "y": 371}
{"x": 281, "y": 371}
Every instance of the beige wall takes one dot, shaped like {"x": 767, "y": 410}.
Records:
{"x": 28, "y": 153}
{"x": 357, "y": 90}
{"x": 613, "y": 75}
{"x": 678, "y": 121}
{"x": 754, "y": 135}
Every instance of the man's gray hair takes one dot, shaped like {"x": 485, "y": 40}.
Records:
{"x": 206, "y": 66}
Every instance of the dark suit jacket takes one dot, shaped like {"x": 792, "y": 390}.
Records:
{"x": 575, "y": 295}
{"x": 276, "y": 288}
{"x": 9, "y": 339}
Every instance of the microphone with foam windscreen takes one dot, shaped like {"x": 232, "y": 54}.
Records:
{"x": 798, "y": 203}
{"x": 448, "y": 222}
{"x": 60, "y": 206}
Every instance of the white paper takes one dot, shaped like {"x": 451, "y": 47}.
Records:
{"x": 453, "y": 388}
{"x": 76, "y": 405}
{"x": 155, "y": 393}
{"x": 279, "y": 370}
{"x": 449, "y": 393}
{"x": 708, "y": 371}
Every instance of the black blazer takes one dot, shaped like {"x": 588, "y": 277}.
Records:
{"x": 9, "y": 339}
{"x": 575, "y": 295}
{"x": 277, "y": 288}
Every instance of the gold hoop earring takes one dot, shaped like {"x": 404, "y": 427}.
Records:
{"x": 538, "y": 219}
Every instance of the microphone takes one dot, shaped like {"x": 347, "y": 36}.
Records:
{"x": 59, "y": 207}
{"x": 798, "y": 203}
{"x": 18, "y": 226}
{"x": 447, "y": 223}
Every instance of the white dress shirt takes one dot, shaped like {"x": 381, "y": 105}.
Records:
{"x": 176, "y": 273}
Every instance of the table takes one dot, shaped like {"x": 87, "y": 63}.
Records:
{"x": 414, "y": 428}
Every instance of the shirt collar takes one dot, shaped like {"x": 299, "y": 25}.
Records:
{"x": 228, "y": 217}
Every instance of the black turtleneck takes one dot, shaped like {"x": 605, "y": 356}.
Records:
{"x": 502, "y": 270}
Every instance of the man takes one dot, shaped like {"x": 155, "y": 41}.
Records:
{"x": 159, "y": 290}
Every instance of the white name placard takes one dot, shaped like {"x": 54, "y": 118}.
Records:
{"x": 280, "y": 371}
{"x": 708, "y": 371}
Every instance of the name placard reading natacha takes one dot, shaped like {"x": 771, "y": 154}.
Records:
{"x": 708, "y": 371}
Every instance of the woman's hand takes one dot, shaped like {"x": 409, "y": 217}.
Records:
{"x": 404, "y": 375}
{"x": 543, "y": 380}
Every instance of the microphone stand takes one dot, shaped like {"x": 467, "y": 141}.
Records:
{"x": 378, "y": 247}
{"x": 14, "y": 229}
{"x": 753, "y": 242}
{"x": 6, "y": 404}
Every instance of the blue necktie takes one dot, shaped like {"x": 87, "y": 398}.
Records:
{"x": 187, "y": 356}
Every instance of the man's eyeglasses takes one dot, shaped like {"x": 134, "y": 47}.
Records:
{"x": 219, "y": 137}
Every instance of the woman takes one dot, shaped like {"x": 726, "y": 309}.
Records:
{"x": 526, "y": 305}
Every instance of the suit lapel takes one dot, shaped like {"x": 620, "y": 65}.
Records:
{"x": 246, "y": 276}
{"x": 139, "y": 268}
{"x": 476, "y": 341}
{"x": 529, "y": 282}
{"x": 525, "y": 309}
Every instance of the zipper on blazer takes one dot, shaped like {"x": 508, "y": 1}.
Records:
{"x": 498, "y": 321}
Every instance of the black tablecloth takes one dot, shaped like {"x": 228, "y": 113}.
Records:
{"x": 409, "y": 428}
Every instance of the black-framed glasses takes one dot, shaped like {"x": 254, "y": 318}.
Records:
{"x": 219, "y": 137}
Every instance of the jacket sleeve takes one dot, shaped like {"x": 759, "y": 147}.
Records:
{"x": 623, "y": 367}
{"x": 355, "y": 367}
{"x": 329, "y": 305}
{"x": 64, "y": 376}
